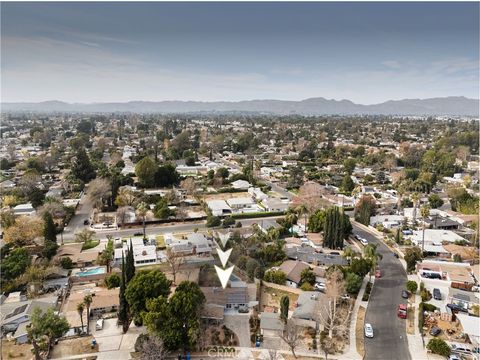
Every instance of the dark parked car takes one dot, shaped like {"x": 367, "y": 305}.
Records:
{"x": 395, "y": 254}
{"x": 435, "y": 331}
{"x": 437, "y": 295}
{"x": 86, "y": 222}
{"x": 405, "y": 294}
{"x": 456, "y": 308}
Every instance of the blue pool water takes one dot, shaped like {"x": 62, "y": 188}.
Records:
{"x": 94, "y": 271}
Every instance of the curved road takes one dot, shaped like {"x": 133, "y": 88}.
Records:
{"x": 390, "y": 341}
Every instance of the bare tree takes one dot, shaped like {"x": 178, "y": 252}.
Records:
{"x": 291, "y": 336}
{"x": 98, "y": 190}
{"x": 273, "y": 354}
{"x": 122, "y": 215}
{"x": 189, "y": 186}
{"x": 174, "y": 261}
{"x": 327, "y": 311}
{"x": 153, "y": 349}
{"x": 126, "y": 197}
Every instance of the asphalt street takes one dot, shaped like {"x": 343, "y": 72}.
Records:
{"x": 390, "y": 340}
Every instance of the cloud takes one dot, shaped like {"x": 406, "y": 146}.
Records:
{"x": 392, "y": 64}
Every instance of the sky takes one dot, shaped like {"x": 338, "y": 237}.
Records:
{"x": 364, "y": 52}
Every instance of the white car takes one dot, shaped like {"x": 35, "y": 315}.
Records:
{"x": 320, "y": 286}
{"x": 368, "y": 330}
{"x": 364, "y": 241}
{"x": 99, "y": 324}
{"x": 454, "y": 357}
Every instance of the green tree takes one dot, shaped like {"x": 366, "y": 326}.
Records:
{"x": 365, "y": 209}
{"x": 349, "y": 165}
{"x": 213, "y": 221}
{"x": 66, "y": 262}
{"x": 336, "y": 229}
{"x": 412, "y": 255}
{"x": 353, "y": 283}
{"x": 411, "y": 286}
{"x": 372, "y": 255}
{"x": 275, "y": 276}
{"x": 129, "y": 264}
{"x": 439, "y": 346}
{"x": 44, "y": 328}
{"x": 123, "y": 311}
{"x": 307, "y": 276}
{"x": 82, "y": 168}
{"x": 146, "y": 284}
{"x": 284, "y": 304}
{"x": 316, "y": 221}
{"x": 81, "y": 310}
{"x": 113, "y": 281}
{"x": 162, "y": 210}
{"x": 176, "y": 320}
{"x": 50, "y": 235}
{"x": 360, "y": 266}
{"x": 145, "y": 171}
{"x": 435, "y": 201}
{"x": 87, "y": 300}
{"x": 15, "y": 263}
{"x": 347, "y": 184}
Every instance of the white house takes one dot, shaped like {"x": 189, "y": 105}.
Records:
{"x": 240, "y": 203}
{"x": 219, "y": 207}
{"x": 241, "y": 184}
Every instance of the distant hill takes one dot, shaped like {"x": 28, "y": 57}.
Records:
{"x": 453, "y": 105}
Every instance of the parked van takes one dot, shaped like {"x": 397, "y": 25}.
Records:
{"x": 99, "y": 324}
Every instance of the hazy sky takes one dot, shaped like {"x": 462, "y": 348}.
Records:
{"x": 365, "y": 52}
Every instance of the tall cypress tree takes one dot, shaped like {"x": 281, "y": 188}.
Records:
{"x": 50, "y": 235}
{"x": 130, "y": 265}
{"x": 123, "y": 317}
{"x": 49, "y": 229}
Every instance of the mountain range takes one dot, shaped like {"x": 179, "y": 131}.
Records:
{"x": 453, "y": 105}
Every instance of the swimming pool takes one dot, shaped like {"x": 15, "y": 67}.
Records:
{"x": 91, "y": 271}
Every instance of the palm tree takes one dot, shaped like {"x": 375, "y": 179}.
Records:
{"x": 349, "y": 253}
{"x": 142, "y": 210}
{"x": 370, "y": 253}
{"x": 302, "y": 210}
{"x": 425, "y": 211}
{"x": 80, "y": 310}
{"x": 415, "y": 198}
{"x": 87, "y": 300}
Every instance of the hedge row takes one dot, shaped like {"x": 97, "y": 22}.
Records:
{"x": 257, "y": 215}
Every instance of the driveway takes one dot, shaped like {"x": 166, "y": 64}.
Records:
{"x": 239, "y": 324}
{"x": 390, "y": 341}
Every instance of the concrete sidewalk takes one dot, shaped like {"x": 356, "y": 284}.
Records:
{"x": 352, "y": 351}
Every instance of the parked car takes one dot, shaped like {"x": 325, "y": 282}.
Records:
{"x": 405, "y": 294}
{"x": 454, "y": 357}
{"x": 402, "y": 311}
{"x": 364, "y": 242}
{"x": 99, "y": 324}
{"x": 320, "y": 286}
{"x": 368, "y": 330}
{"x": 456, "y": 308}
{"x": 86, "y": 222}
{"x": 435, "y": 331}
{"x": 437, "y": 295}
{"x": 395, "y": 254}
{"x": 243, "y": 309}
{"x": 378, "y": 274}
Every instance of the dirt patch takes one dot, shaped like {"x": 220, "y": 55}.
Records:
{"x": 271, "y": 298}
{"x": 226, "y": 196}
{"x": 221, "y": 335}
{"x": 411, "y": 320}
{"x": 359, "y": 331}
{"x": 208, "y": 276}
{"x": 81, "y": 345}
{"x": 19, "y": 352}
